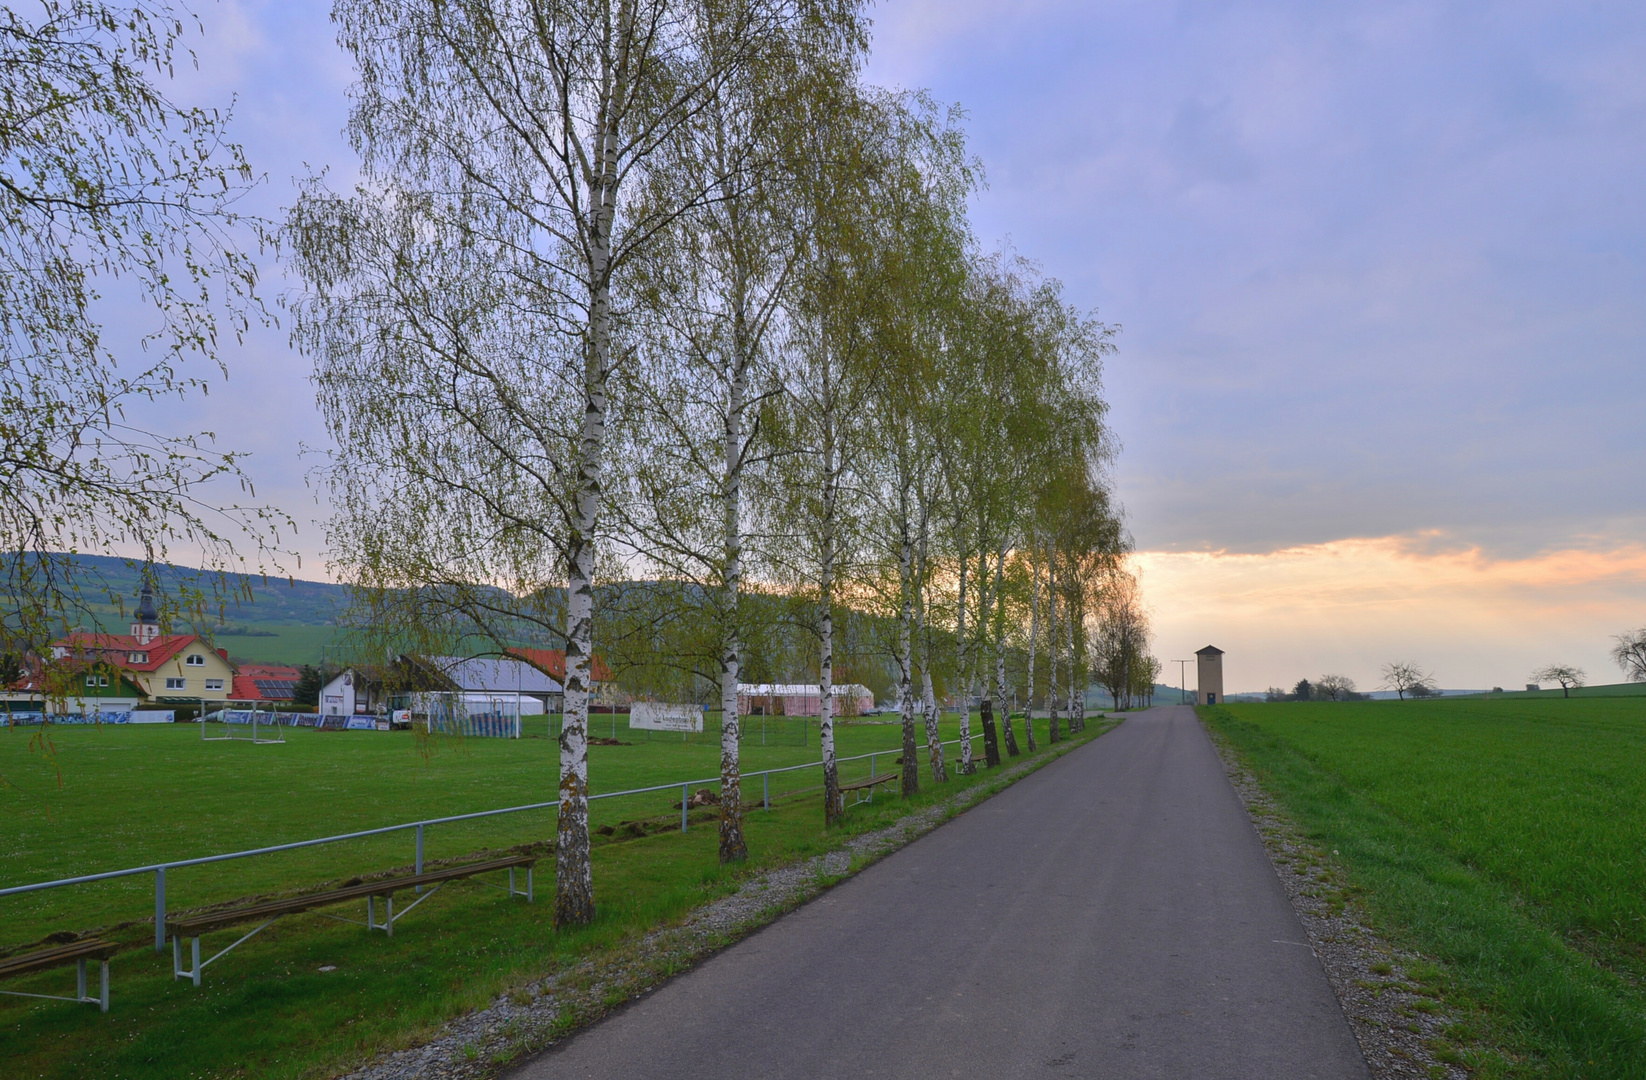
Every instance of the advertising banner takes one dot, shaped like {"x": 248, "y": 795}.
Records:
{"x": 657, "y": 716}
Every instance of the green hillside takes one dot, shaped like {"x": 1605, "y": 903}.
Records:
{"x": 270, "y": 620}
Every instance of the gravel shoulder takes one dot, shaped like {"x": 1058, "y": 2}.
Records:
{"x": 1395, "y": 1016}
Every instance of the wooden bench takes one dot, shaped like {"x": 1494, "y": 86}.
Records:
{"x": 263, "y": 914}
{"x": 46, "y": 959}
{"x": 867, "y": 784}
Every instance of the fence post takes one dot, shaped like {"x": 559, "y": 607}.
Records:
{"x": 766, "y": 782}
{"x": 160, "y": 910}
{"x": 685, "y": 799}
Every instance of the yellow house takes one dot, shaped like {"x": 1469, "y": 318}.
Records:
{"x": 165, "y": 668}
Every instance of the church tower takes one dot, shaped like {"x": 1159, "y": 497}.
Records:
{"x": 147, "y": 626}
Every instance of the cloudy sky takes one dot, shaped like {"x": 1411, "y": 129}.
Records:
{"x": 1381, "y": 273}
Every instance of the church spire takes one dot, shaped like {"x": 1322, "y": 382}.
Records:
{"x": 147, "y": 626}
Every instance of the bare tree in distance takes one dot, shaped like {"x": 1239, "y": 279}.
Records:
{"x": 1335, "y": 687}
{"x": 1629, "y": 653}
{"x": 1404, "y": 678}
{"x": 1570, "y": 678}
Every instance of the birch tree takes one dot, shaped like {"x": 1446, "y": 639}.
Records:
{"x": 110, "y": 191}
{"x": 714, "y": 291}
{"x": 468, "y": 305}
{"x": 828, "y": 380}
{"x": 923, "y": 262}
{"x": 923, "y": 635}
{"x": 1052, "y": 734}
{"x": 1034, "y": 637}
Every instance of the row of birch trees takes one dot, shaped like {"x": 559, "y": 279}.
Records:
{"x": 660, "y": 292}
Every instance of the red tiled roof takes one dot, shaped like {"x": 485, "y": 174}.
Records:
{"x": 117, "y": 648}
{"x": 265, "y": 682}
{"x": 29, "y": 682}
{"x": 552, "y": 662}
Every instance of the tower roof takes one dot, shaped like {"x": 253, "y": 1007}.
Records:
{"x": 1209, "y": 651}
{"x": 146, "y": 612}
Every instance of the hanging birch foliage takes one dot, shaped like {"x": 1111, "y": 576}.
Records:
{"x": 470, "y": 307}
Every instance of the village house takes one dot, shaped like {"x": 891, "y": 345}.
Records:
{"x": 403, "y": 684}
{"x": 274, "y": 683}
{"x": 802, "y": 699}
{"x": 603, "y": 689}
{"x": 121, "y": 672}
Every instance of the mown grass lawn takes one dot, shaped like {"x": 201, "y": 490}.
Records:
{"x": 1506, "y": 839}
{"x": 131, "y": 795}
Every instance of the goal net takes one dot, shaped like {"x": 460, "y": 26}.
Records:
{"x": 249, "y": 721}
{"x": 468, "y": 715}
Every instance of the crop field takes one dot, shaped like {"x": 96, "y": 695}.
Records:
{"x": 1503, "y": 838}
{"x": 102, "y": 798}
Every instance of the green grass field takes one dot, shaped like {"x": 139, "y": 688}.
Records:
{"x": 110, "y": 797}
{"x": 1504, "y": 838}
{"x": 285, "y": 643}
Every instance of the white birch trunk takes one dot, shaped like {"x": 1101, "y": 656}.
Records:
{"x": 1034, "y": 633}
{"x": 573, "y": 875}
{"x": 733, "y": 847}
{"x": 934, "y": 738}
{"x": 1074, "y": 669}
{"x": 979, "y": 667}
{"x": 967, "y": 766}
{"x": 1052, "y": 689}
{"x": 1000, "y": 651}
{"x": 905, "y": 645}
{"x": 833, "y": 804}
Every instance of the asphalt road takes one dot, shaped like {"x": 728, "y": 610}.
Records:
{"x": 1114, "y": 915}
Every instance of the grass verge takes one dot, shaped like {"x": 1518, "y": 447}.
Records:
{"x": 1501, "y": 839}
{"x": 309, "y": 996}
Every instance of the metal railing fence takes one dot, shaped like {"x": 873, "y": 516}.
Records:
{"x": 159, "y": 869}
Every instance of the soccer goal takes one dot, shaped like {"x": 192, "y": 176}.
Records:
{"x": 243, "y": 721}
{"x": 469, "y": 715}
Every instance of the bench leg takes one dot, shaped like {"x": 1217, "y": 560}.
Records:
{"x": 177, "y": 970}
{"x": 388, "y": 908}
{"x": 516, "y": 892}
{"x": 80, "y": 978}
{"x": 103, "y": 998}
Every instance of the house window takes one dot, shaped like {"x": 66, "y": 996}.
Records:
{"x": 195, "y": 660}
{"x": 175, "y": 683}
{"x": 214, "y": 684}
{"x": 97, "y": 680}
{"x": 137, "y": 658}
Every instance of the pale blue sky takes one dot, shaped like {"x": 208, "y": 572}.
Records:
{"x": 1381, "y": 270}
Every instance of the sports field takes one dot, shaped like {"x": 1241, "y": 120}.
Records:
{"x": 1505, "y": 839}
{"x": 102, "y": 798}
